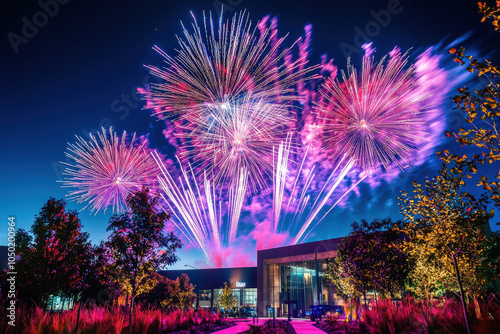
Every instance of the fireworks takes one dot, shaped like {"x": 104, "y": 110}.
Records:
{"x": 299, "y": 200}
{"x": 194, "y": 211}
{"x": 239, "y": 137}
{"x": 230, "y": 95}
{"x": 377, "y": 119}
{"x": 222, "y": 63}
{"x": 106, "y": 169}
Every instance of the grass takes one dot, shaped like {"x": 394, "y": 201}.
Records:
{"x": 106, "y": 320}
{"x": 411, "y": 316}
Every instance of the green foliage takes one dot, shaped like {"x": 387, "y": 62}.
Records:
{"x": 368, "y": 259}
{"x": 137, "y": 245}
{"x": 442, "y": 220}
{"x": 172, "y": 294}
{"x": 226, "y": 300}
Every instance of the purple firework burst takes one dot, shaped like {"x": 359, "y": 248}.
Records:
{"x": 106, "y": 169}
{"x": 221, "y": 62}
{"x": 378, "y": 118}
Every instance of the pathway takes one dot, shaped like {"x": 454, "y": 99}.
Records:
{"x": 305, "y": 326}
{"x": 241, "y": 325}
{"x": 301, "y": 326}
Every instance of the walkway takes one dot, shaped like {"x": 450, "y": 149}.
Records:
{"x": 301, "y": 326}
{"x": 241, "y": 326}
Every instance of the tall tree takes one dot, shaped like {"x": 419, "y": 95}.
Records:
{"x": 368, "y": 259}
{"x": 138, "y": 245}
{"x": 443, "y": 223}
{"x": 226, "y": 299}
{"x": 54, "y": 262}
{"x": 481, "y": 107}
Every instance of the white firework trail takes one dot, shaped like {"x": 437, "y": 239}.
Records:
{"x": 301, "y": 203}
{"x": 195, "y": 211}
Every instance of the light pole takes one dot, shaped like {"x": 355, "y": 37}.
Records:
{"x": 289, "y": 304}
{"x": 188, "y": 265}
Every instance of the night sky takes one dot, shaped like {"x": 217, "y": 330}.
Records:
{"x": 80, "y": 69}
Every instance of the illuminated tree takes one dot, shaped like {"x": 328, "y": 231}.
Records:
{"x": 482, "y": 112}
{"x": 443, "y": 222}
{"x": 172, "y": 294}
{"x": 226, "y": 300}
{"x": 138, "y": 245}
{"x": 368, "y": 259}
{"x": 427, "y": 276}
{"x": 343, "y": 284}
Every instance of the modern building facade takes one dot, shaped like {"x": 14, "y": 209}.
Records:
{"x": 209, "y": 282}
{"x": 292, "y": 280}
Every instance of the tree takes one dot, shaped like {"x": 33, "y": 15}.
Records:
{"x": 172, "y": 294}
{"x": 427, "y": 277}
{"x": 22, "y": 240}
{"x": 54, "y": 262}
{"x": 226, "y": 300}
{"x": 138, "y": 246}
{"x": 443, "y": 223}
{"x": 100, "y": 286}
{"x": 368, "y": 259}
{"x": 482, "y": 112}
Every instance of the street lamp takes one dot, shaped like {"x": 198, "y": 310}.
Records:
{"x": 188, "y": 265}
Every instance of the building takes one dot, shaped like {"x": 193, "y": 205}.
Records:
{"x": 292, "y": 279}
{"x": 209, "y": 282}
{"x": 286, "y": 279}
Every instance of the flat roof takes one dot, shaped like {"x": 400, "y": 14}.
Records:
{"x": 213, "y": 278}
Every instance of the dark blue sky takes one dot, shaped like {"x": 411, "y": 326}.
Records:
{"x": 79, "y": 70}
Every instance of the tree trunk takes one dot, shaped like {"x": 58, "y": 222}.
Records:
{"x": 364, "y": 296}
{"x": 130, "y": 314}
{"x": 475, "y": 300}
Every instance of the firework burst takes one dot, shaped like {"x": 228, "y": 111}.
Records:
{"x": 377, "y": 119}
{"x": 238, "y": 137}
{"x": 222, "y": 63}
{"x": 106, "y": 169}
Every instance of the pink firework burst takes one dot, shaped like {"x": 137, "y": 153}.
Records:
{"x": 221, "y": 62}
{"x": 238, "y": 136}
{"x": 106, "y": 169}
{"x": 378, "y": 118}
